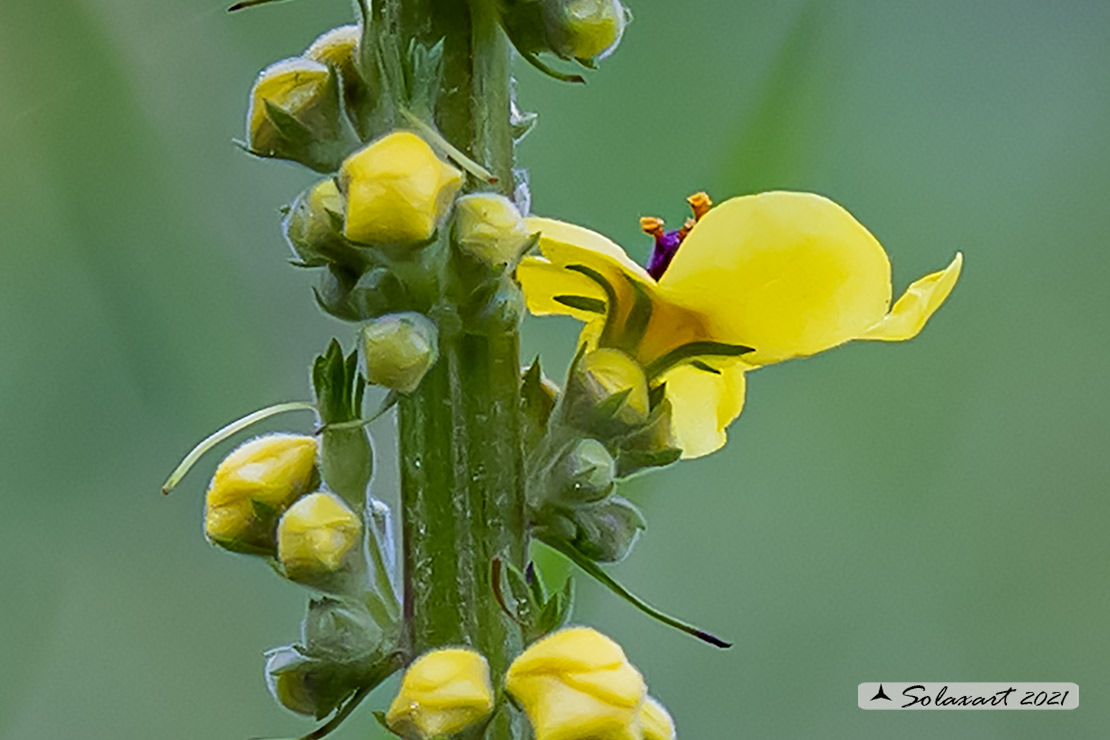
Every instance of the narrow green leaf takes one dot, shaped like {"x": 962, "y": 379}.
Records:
{"x": 593, "y": 570}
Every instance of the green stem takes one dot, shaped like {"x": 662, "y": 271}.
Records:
{"x": 462, "y": 498}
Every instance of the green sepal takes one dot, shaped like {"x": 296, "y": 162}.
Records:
{"x": 290, "y": 128}
{"x": 536, "y": 404}
{"x": 608, "y": 530}
{"x": 558, "y": 609}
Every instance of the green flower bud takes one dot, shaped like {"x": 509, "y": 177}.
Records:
{"x": 489, "y": 228}
{"x": 588, "y": 30}
{"x": 399, "y": 349}
{"x": 607, "y": 393}
{"x": 308, "y": 685}
{"x": 336, "y": 630}
{"x": 312, "y": 228}
{"x": 295, "y": 114}
{"x": 608, "y": 530}
{"x": 586, "y": 473}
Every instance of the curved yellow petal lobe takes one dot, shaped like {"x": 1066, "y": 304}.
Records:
{"x": 917, "y": 304}
{"x": 703, "y": 404}
{"x": 787, "y": 273}
{"x": 442, "y": 693}
{"x": 315, "y": 535}
{"x": 655, "y": 721}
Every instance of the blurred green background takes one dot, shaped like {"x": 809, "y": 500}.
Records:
{"x": 928, "y": 511}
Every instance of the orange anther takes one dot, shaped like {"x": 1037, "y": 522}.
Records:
{"x": 700, "y": 203}
{"x": 652, "y": 225}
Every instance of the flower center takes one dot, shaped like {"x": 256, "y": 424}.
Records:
{"x": 668, "y": 242}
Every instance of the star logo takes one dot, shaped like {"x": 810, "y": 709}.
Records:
{"x": 881, "y": 694}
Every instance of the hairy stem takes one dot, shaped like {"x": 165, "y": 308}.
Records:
{"x": 462, "y": 501}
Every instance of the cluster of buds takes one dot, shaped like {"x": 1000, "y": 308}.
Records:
{"x": 314, "y": 108}
{"x": 605, "y": 426}
{"x": 573, "y": 684}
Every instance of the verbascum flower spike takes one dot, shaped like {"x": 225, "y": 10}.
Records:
{"x": 315, "y": 537}
{"x": 442, "y": 693}
{"x": 397, "y": 191}
{"x": 399, "y": 349}
{"x": 587, "y": 30}
{"x": 755, "y": 280}
{"x": 577, "y": 684}
{"x": 295, "y": 113}
{"x": 655, "y": 721}
{"x": 253, "y": 486}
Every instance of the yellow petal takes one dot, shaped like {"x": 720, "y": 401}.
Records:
{"x": 557, "y": 711}
{"x": 621, "y": 686}
{"x": 916, "y": 305}
{"x": 573, "y": 649}
{"x": 543, "y": 281}
{"x": 655, "y": 721}
{"x": 315, "y": 535}
{"x": 703, "y": 404}
{"x": 564, "y": 244}
{"x": 787, "y": 273}
{"x": 442, "y": 693}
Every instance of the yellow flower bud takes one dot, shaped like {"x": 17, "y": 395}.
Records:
{"x": 295, "y": 114}
{"x": 397, "y": 190}
{"x": 490, "y": 228}
{"x": 442, "y": 693}
{"x": 399, "y": 349}
{"x": 584, "y": 29}
{"x": 337, "y": 47}
{"x": 577, "y": 684}
{"x": 608, "y": 387}
{"x": 315, "y": 537}
{"x": 655, "y": 721}
{"x": 253, "y": 486}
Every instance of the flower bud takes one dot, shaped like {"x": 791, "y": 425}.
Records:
{"x": 586, "y": 473}
{"x": 308, "y": 685}
{"x": 489, "y": 228}
{"x": 575, "y": 684}
{"x": 607, "y": 531}
{"x": 608, "y": 391}
{"x": 295, "y": 114}
{"x": 588, "y": 30}
{"x": 655, "y": 721}
{"x": 397, "y": 189}
{"x": 315, "y": 537}
{"x": 253, "y": 486}
{"x": 340, "y": 631}
{"x": 442, "y": 693}
{"x": 399, "y": 349}
{"x": 312, "y": 226}
{"x": 339, "y": 48}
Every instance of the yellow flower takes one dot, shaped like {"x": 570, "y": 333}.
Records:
{"x": 315, "y": 536}
{"x": 397, "y": 190}
{"x": 655, "y": 721}
{"x": 442, "y": 693}
{"x": 489, "y": 228}
{"x": 784, "y": 274}
{"x": 577, "y": 684}
{"x": 337, "y": 47}
{"x": 253, "y": 486}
